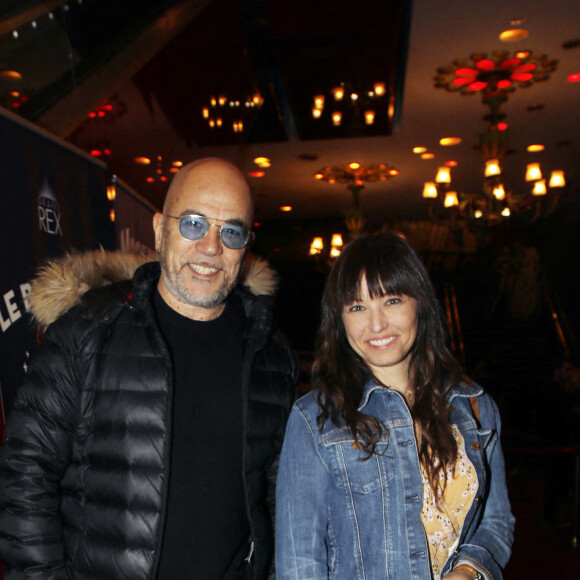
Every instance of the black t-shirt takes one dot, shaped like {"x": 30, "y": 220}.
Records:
{"x": 206, "y": 525}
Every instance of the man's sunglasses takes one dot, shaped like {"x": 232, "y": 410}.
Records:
{"x": 194, "y": 227}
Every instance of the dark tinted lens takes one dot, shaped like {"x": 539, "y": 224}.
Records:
{"x": 234, "y": 236}
{"x": 193, "y": 227}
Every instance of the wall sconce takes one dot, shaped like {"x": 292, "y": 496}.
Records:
{"x": 499, "y": 192}
{"x": 451, "y": 199}
{"x": 316, "y": 246}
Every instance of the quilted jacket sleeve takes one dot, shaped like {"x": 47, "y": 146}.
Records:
{"x": 34, "y": 457}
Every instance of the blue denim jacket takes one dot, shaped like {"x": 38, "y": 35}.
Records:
{"x": 346, "y": 519}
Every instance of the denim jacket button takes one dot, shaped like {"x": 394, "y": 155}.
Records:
{"x": 475, "y": 445}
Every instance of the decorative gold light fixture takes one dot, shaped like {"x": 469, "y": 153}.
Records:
{"x": 317, "y": 246}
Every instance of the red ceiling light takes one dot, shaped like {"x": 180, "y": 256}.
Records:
{"x": 574, "y": 78}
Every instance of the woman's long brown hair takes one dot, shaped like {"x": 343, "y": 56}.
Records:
{"x": 390, "y": 267}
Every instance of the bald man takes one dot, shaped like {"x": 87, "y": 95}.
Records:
{"x": 144, "y": 441}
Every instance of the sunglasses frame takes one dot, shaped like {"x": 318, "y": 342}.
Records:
{"x": 251, "y": 234}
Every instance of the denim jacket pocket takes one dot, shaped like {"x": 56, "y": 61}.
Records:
{"x": 349, "y": 465}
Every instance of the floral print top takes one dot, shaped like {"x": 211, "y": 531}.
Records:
{"x": 443, "y": 523}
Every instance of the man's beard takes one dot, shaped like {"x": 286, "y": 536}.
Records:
{"x": 174, "y": 281}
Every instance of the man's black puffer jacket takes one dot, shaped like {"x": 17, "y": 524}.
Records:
{"x": 83, "y": 469}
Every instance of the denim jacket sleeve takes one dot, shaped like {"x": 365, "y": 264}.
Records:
{"x": 301, "y": 503}
{"x": 488, "y": 540}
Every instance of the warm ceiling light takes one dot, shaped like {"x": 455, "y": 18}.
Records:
{"x": 492, "y": 167}
{"x": 111, "y": 192}
{"x": 142, "y": 160}
{"x": 177, "y": 164}
{"x": 222, "y": 101}
{"x": 286, "y": 208}
{"x": 369, "y": 117}
{"x": 338, "y": 93}
{"x": 319, "y": 101}
{"x": 318, "y": 176}
{"x": 540, "y": 187}
{"x": 557, "y": 178}
{"x": 150, "y": 180}
{"x": 478, "y": 214}
{"x": 430, "y": 190}
{"x": 334, "y": 252}
{"x": 213, "y": 102}
{"x": 112, "y": 215}
{"x": 451, "y": 199}
{"x": 336, "y": 240}
{"x": 419, "y": 149}
{"x": 173, "y": 169}
{"x": 353, "y": 97}
{"x": 14, "y": 94}
{"x": 451, "y": 163}
{"x": 205, "y": 112}
{"x": 505, "y": 212}
{"x": 219, "y": 122}
{"x": 447, "y": 141}
{"x": 336, "y": 118}
{"x": 212, "y": 123}
{"x": 12, "y": 75}
{"x": 535, "y": 148}
{"x": 262, "y": 162}
{"x": 379, "y": 89}
{"x": 394, "y": 172}
{"x": 499, "y": 192}
{"x": 427, "y": 155}
{"x": 258, "y": 173}
{"x": 533, "y": 172}
{"x": 443, "y": 175}
{"x": 574, "y": 78}
{"x": 316, "y": 246}
{"x": 316, "y": 112}
{"x": 513, "y": 35}
{"x": 354, "y": 165}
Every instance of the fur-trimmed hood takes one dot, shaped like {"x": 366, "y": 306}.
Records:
{"x": 62, "y": 282}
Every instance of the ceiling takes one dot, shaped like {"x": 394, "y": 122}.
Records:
{"x": 159, "y": 63}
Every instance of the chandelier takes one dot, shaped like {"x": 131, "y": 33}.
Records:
{"x": 495, "y": 77}
{"x": 355, "y": 175}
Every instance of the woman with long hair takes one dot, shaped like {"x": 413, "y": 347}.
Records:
{"x": 392, "y": 467}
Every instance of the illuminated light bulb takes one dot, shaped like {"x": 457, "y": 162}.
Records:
{"x": 427, "y": 155}
{"x": 177, "y": 164}
{"x": 205, "y": 112}
{"x": 222, "y": 101}
{"x": 499, "y": 192}
{"x": 513, "y": 35}
{"x": 533, "y": 172}
{"x": 477, "y": 214}
{"x": 212, "y": 123}
{"x": 262, "y": 161}
{"x": 334, "y": 252}
{"x": 505, "y": 212}
{"x": 286, "y": 208}
{"x": 369, "y": 117}
{"x": 419, "y": 150}
{"x": 448, "y": 141}
{"x": 142, "y": 160}
{"x": 338, "y": 93}
{"x": 318, "y": 176}
{"x": 540, "y": 187}
{"x": 316, "y": 246}
{"x": 336, "y": 118}
{"x": 535, "y": 148}
{"x": 213, "y": 102}
{"x": 257, "y": 99}
{"x": 557, "y": 178}
{"x": 173, "y": 169}
{"x": 451, "y": 199}
{"x": 379, "y": 89}
{"x": 111, "y": 192}
{"x": 336, "y": 240}
{"x": 319, "y": 101}
{"x": 112, "y": 215}
{"x": 219, "y": 122}
{"x": 492, "y": 167}
{"x": 354, "y": 165}
{"x": 353, "y": 97}
{"x": 443, "y": 174}
{"x": 316, "y": 112}
{"x": 430, "y": 190}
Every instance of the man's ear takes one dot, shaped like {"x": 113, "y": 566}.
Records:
{"x": 158, "y": 225}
